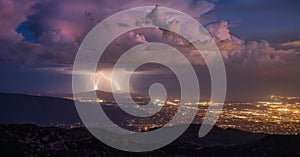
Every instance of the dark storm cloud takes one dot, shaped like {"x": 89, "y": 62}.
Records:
{"x": 58, "y": 27}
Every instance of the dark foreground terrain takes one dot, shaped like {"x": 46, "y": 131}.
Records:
{"x": 31, "y": 140}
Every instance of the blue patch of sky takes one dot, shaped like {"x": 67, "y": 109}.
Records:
{"x": 273, "y": 20}
{"x": 28, "y": 35}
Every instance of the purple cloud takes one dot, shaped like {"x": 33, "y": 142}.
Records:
{"x": 60, "y": 26}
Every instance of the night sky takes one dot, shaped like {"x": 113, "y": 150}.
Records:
{"x": 259, "y": 41}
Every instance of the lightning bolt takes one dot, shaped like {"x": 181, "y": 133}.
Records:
{"x": 110, "y": 79}
{"x": 95, "y": 81}
{"x": 96, "y": 77}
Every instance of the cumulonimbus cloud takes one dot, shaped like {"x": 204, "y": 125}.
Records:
{"x": 58, "y": 27}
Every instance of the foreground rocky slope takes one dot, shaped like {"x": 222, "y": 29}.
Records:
{"x": 31, "y": 140}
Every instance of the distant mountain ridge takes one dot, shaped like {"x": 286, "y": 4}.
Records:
{"x": 41, "y": 110}
{"x": 105, "y": 95}
{"x": 45, "y": 110}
